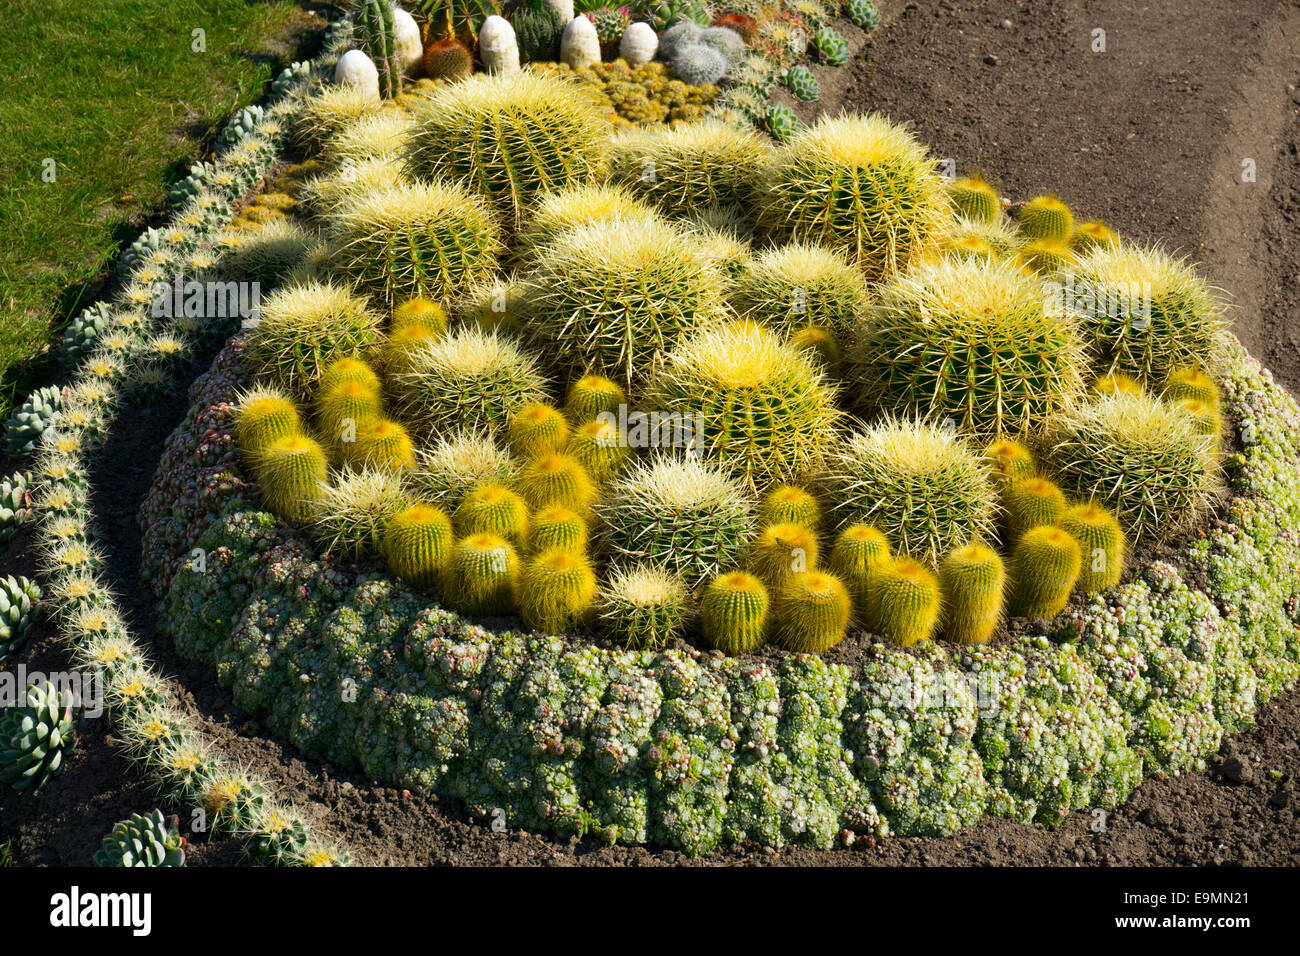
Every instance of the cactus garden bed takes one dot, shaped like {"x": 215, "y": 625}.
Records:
{"x": 922, "y": 548}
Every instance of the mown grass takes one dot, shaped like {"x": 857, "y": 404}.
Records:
{"x": 114, "y": 93}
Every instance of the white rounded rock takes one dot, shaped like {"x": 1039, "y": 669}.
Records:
{"x": 497, "y": 46}
{"x": 579, "y": 45}
{"x": 356, "y": 69}
{"x": 406, "y": 40}
{"x": 639, "y": 44}
{"x": 561, "y": 8}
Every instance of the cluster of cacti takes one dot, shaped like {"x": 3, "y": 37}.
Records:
{"x": 18, "y": 600}
{"x": 35, "y": 738}
{"x": 636, "y": 96}
{"x": 30, "y": 420}
{"x": 801, "y": 82}
{"x": 143, "y": 840}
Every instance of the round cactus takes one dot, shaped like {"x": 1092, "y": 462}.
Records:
{"x": 1030, "y": 502}
{"x": 611, "y": 296}
{"x": 270, "y": 255}
{"x": 684, "y": 167}
{"x": 734, "y": 613}
{"x": 417, "y": 544}
{"x": 264, "y": 415}
{"x": 904, "y": 602}
{"x": 599, "y": 449}
{"x": 496, "y": 510}
{"x": 538, "y": 34}
{"x": 536, "y": 430}
{"x": 142, "y": 840}
{"x": 334, "y": 107}
{"x": 29, "y": 421}
{"x": 787, "y": 504}
{"x": 642, "y": 608}
{"x": 697, "y": 64}
{"x": 404, "y": 342}
{"x": 233, "y": 802}
{"x": 579, "y": 43}
{"x": 1139, "y": 457}
{"x": 975, "y": 200}
{"x": 35, "y": 739}
{"x": 801, "y": 284}
{"x": 340, "y": 413}
{"x": 591, "y": 396}
{"x": 1205, "y": 419}
{"x": 278, "y": 839}
{"x": 973, "y": 341}
{"x": 555, "y": 526}
{"x": 557, "y": 480}
{"x": 767, "y": 412}
{"x": 918, "y": 484}
{"x": 782, "y": 551}
{"x": 420, "y": 314}
{"x": 1117, "y": 382}
{"x": 610, "y": 23}
{"x": 811, "y": 612}
{"x": 18, "y": 599}
{"x": 382, "y": 444}
{"x": 1090, "y": 235}
{"x": 509, "y": 137}
{"x": 1009, "y": 461}
{"x": 1046, "y": 217}
{"x": 482, "y": 577}
{"x": 350, "y": 369}
{"x": 859, "y": 184}
{"x": 448, "y": 59}
{"x": 469, "y": 379}
{"x": 1193, "y": 384}
{"x": 379, "y": 134}
{"x": 354, "y": 509}
{"x": 290, "y": 473}
{"x": 1045, "y": 565}
{"x": 639, "y": 44}
{"x": 972, "y": 581}
{"x": 557, "y": 591}
{"x": 1143, "y": 312}
{"x": 858, "y": 553}
{"x": 819, "y": 344}
{"x": 555, "y": 213}
{"x": 304, "y": 328}
{"x": 684, "y": 515}
{"x": 1101, "y": 542}
{"x": 1046, "y": 257}
{"x": 455, "y": 464}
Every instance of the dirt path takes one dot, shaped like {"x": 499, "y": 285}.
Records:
{"x": 1149, "y": 136}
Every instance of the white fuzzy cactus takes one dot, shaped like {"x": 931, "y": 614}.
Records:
{"x": 406, "y": 41}
{"x": 497, "y": 46}
{"x": 561, "y": 8}
{"x": 639, "y": 44}
{"x": 579, "y": 45}
{"x": 357, "y": 69}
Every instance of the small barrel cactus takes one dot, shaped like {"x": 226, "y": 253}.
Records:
{"x": 1010, "y": 461}
{"x": 972, "y": 580}
{"x": 788, "y": 504}
{"x": 18, "y": 599}
{"x": 1191, "y": 383}
{"x": 556, "y": 526}
{"x": 782, "y": 551}
{"x": 1102, "y": 543}
{"x": 1031, "y": 502}
{"x": 557, "y": 480}
{"x": 812, "y": 612}
{"x": 80, "y": 334}
{"x": 557, "y": 591}
{"x": 610, "y": 24}
{"x": 859, "y": 552}
{"x": 734, "y": 613}
{"x": 28, "y": 423}
{"x": 1044, "y": 568}
{"x": 863, "y": 13}
{"x": 975, "y": 200}
{"x": 697, "y": 64}
{"x": 597, "y": 447}
{"x": 290, "y": 472}
{"x": 903, "y": 603}
{"x": 15, "y": 505}
{"x": 832, "y": 46}
{"x": 643, "y": 607}
{"x": 1046, "y": 217}
{"x": 537, "y": 429}
{"x": 143, "y": 840}
{"x": 35, "y": 739}
{"x": 417, "y": 544}
{"x": 590, "y": 396}
{"x": 493, "y": 509}
{"x": 482, "y": 577}
{"x": 448, "y": 59}
{"x": 780, "y": 122}
{"x": 802, "y": 83}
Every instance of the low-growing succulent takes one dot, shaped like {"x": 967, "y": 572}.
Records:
{"x": 801, "y": 82}
{"x": 15, "y": 505}
{"x": 30, "y": 420}
{"x": 780, "y": 122}
{"x": 35, "y": 738}
{"x": 972, "y": 581}
{"x": 78, "y": 338}
{"x": 904, "y": 602}
{"x": 863, "y": 13}
{"x": 18, "y": 600}
{"x": 1045, "y": 565}
{"x": 734, "y": 613}
{"x": 417, "y": 544}
{"x": 832, "y": 46}
{"x": 143, "y": 840}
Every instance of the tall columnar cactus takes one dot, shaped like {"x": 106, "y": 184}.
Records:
{"x": 496, "y": 510}
{"x": 1101, "y": 542}
{"x": 456, "y": 18}
{"x": 557, "y": 480}
{"x": 1009, "y": 461}
{"x": 974, "y": 341}
{"x": 536, "y": 430}
{"x": 972, "y": 581}
{"x": 143, "y": 840}
{"x": 975, "y": 200}
{"x": 557, "y": 591}
{"x": 1030, "y": 502}
{"x": 919, "y": 484}
{"x": 498, "y": 47}
{"x": 684, "y": 167}
{"x": 904, "y": 602}
{"x": 1143, "y": 312}
{"x": 859, "y": 184}
{"x": 379, "y": 39}
{"x": 811, "y": 612}
{"x": 579, "y": 43}
{"x": 1045, "y": 565}
{"x": 417, "y": 544}
{"x": 782, "y": 551}
{"x": 482, "y": 577}
{"x": 290, "y": 472}
{"x": 788, "y": 504}
{"x": 734, "y": 613}
{"x": 767, "y": 411}
{"x": 642, "y": 607}
{"x": 556, "y": 526}
{"x": 35, "y": 739}
{"x": 18, "y": 599}
{"x": 30, "y": 420}
{"x": 801, "y": 284}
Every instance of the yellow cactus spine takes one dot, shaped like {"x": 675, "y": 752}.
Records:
{"x": 973, "y": 583}
{"x": 403, "y": 343}
{"x": 1044, "y": 568}
{"x": 422, "y": 314}
{"x": 782, "y": 551}
{"x": 591, "y": 395}
{"x": 733, "y": 613}
{"x": 1046, "y": 217}
{"x": 348, "y": 370}
{"x": 1031, "y": 502}
{"x": 1010, "y": 461}
{"x": 557, "y": 591}
{"x": 597, "y": 446}
{"x": 417, "y": 544}
{"x": 265, "y": 416}
{"x": 1191, "y": 383}
{"x": 557, "y": 527}
{"x": 536, "y": 430}
{"x": 291, "y": 472}
{"x": 904, "y": 602}
{"x": 1102, "y": 546}
{"x": 858, "y": 553}
{"x": 788, "y": 504}
{"x": 557, "y": 480}
{"x": 382, "y": 444}
{"x": 482, "y": 577}
{"x": 812, "y": 612}
{"x": 975, "y": 200}
{"x": 491, "y": 508}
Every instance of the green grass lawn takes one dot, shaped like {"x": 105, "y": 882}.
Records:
{"x": 113, "y": 92}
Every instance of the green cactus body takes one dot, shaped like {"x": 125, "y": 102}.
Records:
{"x": 537, "y": 430}
{"x": 863, "y": 13}
{"x": 818, "y": 342}
{"x": 802, "y": 83}
{"x": 290, "y": 473}
{"x": 18, "y": 599}
{"x": 1046, "y": 217}
{"x": 555, "y": 526}
{"x": 858, "y": 553}
{"x": 417, "y": 544}
{"x": 1101, "y": 543}
{"x": 590, "y": 396}
{"x": 1090, "y": 235}
{"x": 801, "y": 284}
{"x": 404, "y": 342}
{"x": 348, "y": 370}
{"x": 379, "y": 43}
{"x": 557, "y": 480}
{"x": 538, "y": 34}
{"x": 35, "y": 739}
{"x": 610, "y": 23}
{"x": 1045, "y": 565}
{"x": 381, "y": 443}
{"x": 422, "y": 314}
{"x": 642, "y": 608}
{"x": 975, "y": 200}
{"x": 904, "y": 602}
{"x": 832, "y": 46}
{"x": 142, "y": 840}
{"x": 972, "y": 581}
{"x": 1047, "y": 257}
{"x": 782, "y": 551}
{"x": 482, "y": 577}
{"x": 233, "y": 802}
{"x": 557, "y": 591}
{"x": 449, "y": 59}
{"x": 811, "y": 612}
{"x": 1010, "y": 461}
{"x": 264, "y": 419}
{"x": 686, "y": 167}
{"x": 340, "y": 414}
{"x": 734, "y": 613}
{"x": 78, "y": 339}
{"x": 15, "y": 507}
{"x": 788, "y": 504}
{"x": 1205, "y": 419}
{"x": 496, "y": 510}
{"x": 596, "y": 446}
{"x": 1193, "y": 384}
{"x": 1030, "y": 502}
{"x": 278, "y": 840}
{"x": 780, "y": 122}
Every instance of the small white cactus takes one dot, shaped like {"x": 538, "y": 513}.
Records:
{"x": 357, "y": 69}
{"x": 561, "y": 8}
{"x": 406, "y": 41}
{"x": 639, "y": 44}
{"x": 579, "y": 45}
{"x": 497, "y": 46}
